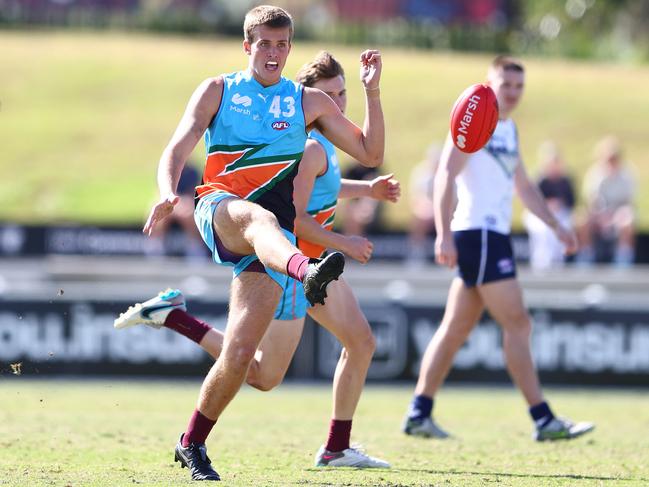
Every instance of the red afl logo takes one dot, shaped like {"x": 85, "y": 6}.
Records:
{"x": 283, "y": 125}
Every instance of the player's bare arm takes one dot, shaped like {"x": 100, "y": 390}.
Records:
{"x": 382, "y": 188}
{"x": 451, "y": 164}
{"x": 367, "y": 144}
{"x": 533, "y": 200}
{"x": 200, "y": 110}
{"x": 313, "y": 164}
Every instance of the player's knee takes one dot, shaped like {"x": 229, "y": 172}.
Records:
{"x": 363, "y": 343}
{"x": 368, "y": 343}
{"x": 260, "y": 386}
{"x": 264, "y": 383}
{"x": 239, "y": 355}
{"x": 261, "y": 379}
{"x": 519, "y": 325}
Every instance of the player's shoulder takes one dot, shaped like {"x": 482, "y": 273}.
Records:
{"x": 508, "y": 124}
{"x": 314, "y": 158}
{"x": 311, "y": 93}
{"x": 315, "y": 148}
{"x": 452, "y": 156}
{"x": 316, "y": 104}
{"x": 207, "y": 96}
{"x": 504, "y": 122}
{"x": 211, "y": 86}
{"x": 317, "y": 98}
{"x": 234, "y": 80}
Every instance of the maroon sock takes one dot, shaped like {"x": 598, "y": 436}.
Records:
{"x": 198, "y": 429}
{"x": 296, "y": 266}
{"x": 339, "y": 432}
{"x": 182, "y": 322}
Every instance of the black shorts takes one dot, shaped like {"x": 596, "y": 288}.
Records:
{"x": 484, "y": 256}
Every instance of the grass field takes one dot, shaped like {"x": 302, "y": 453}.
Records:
{"x": 84, "y": 116}
{"x": 122, "y": 433}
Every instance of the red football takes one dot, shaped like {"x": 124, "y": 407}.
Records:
{"x": 474, "y": 118}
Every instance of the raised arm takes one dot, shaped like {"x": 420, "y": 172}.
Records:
{"x": 365, "y": 145}
{"x": 314, "y": 163}
{"x": 533, "y": 200}
{"x": 200, "y": 110}
{"x": 451, "y": 164}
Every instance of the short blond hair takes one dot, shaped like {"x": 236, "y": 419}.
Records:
{"x": 273, "y": 17}
{"x": 324, "y": 66}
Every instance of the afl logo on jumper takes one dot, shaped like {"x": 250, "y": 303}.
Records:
{"x": 282, "y": 125}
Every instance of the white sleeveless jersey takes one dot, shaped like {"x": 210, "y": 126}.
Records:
{"x": 485, "y": 187}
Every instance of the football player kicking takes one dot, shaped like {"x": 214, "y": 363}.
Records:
{"x": 255, "y": 125}
{"x": 477, "y": 240}
{"x": 317, "y": 187}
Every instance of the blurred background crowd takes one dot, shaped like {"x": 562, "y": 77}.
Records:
{"x": 612, "y": 29}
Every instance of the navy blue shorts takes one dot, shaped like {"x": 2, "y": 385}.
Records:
{"x": 484, "y": 256}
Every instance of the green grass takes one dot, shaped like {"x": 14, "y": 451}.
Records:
{"x": 85, "y": 116}
{"x": 122, "y": 433}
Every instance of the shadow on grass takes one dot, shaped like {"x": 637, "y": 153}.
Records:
{"x": 498, "y": 474}
{"x": 521, "y": 475}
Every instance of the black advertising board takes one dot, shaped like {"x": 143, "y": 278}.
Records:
{"x": 77, "y": 338}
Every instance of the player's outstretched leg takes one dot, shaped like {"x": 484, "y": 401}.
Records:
{"x": 271, "y": 361}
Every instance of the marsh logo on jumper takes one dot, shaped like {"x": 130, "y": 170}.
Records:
{"x": 237, "y": 99}
{"x": 282, "y": 125}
